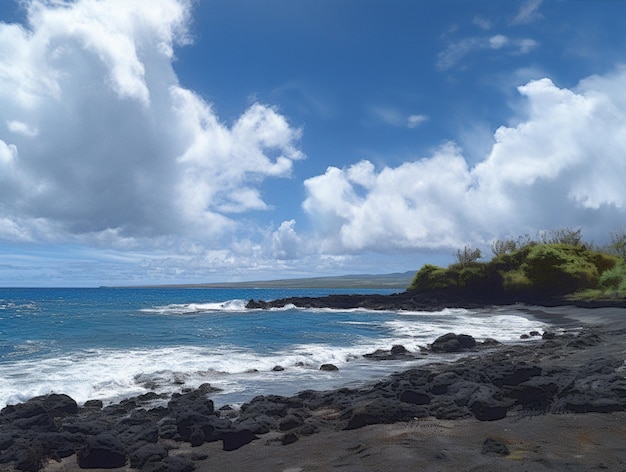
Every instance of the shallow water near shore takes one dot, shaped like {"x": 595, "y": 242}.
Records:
{"x": 111, "y": 344}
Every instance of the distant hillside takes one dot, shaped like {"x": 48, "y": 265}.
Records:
{"x": 398, "y": 281}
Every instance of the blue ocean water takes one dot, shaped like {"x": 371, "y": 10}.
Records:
{"x": 108, "y": 344}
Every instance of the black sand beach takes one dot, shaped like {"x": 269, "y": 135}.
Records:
{"x": 555, "y": 402}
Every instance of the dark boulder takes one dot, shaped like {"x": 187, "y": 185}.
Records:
{"x": 397, "y": 352}
{"x": 30, "y": 457}
{"x": 104, "y": 451}
{"x": 145, "y": 454}
{"x": 463, "y": 391}
{"x": 58, "y": 405}
{"x": 414, "y": 397}
{"x": 439, "y": 383}
{"x": 194, "y": 428}
{"x": 235, "y": 439}
{"x": 195, "y": 400}
{"x": 444, "y": 408}
{"x": 488, "y": 408}
{"x": 382, "y": 411}
{"x": 131, "y": 431}
{"x": 93, "y": 404}
{"x": 271, "y": 405}
{"x": 87, "y": 427}
{"x": 288, "y": 439}
{"x": 452, "y": 342}
{"x": 170, "y": 464}
{"x": 529, "y": 396}
{"x": 329, "y": 367}
{"x": 493, "y": 447}
{"x": 514, "y": 374}
{"x": 290, "y": 422}
{"x": 259, "y": 424}
{"x": 58, "y": 445}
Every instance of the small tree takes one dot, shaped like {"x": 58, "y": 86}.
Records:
{"x": 468, "y": 255}
{"x": 618, "y": 243}
{"x": 562, "y": 236}
{"x": 501, "y": 247}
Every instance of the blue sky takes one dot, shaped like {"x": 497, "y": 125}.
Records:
{"x": 178, "y": 141}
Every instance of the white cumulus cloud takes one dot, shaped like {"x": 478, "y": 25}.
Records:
{"x": 286, "y": 243}
{"x": 561, "y": 166}
{"x": 101, "y": 142}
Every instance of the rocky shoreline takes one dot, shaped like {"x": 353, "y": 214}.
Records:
{"x": 577, "y": 370}
{"x": 427, "y": 301}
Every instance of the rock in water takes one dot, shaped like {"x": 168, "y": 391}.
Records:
{"x": 452, "y": 342}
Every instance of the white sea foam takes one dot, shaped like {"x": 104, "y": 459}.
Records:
{"x": 481, "y": 325}
{"x": 192, "y": 308}
{"x": 113, "y": 374}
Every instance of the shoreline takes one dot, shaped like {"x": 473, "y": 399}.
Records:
{"x": 429, "y": 301}
{"x": 544, "y": 385}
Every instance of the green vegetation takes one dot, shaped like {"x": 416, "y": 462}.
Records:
{"x": 557, "y": 263}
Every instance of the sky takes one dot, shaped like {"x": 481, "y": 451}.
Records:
{"x": 196, "y": 141}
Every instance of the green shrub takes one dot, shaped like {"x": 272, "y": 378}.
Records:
{"x": 558, "y": 263}
{"x": 432, "y": 277}
{"x": 614, "y": 280}
{"x": 515, "y": 281}
{"x": 559, "y": 268}
{"x": 512, "y": 261}
{"x": 618, "y": 244}
{"x": 603, "y": 261}
{"x": 611, "y": 279}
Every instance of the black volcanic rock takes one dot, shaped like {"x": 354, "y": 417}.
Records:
{"x": 235, "y": 439}
{"x": 495, "y": 448}
{"x": 452, "y": 342}
{"x": 435, "y": 300}
{"x": 104, "y": 451}
{"x": 397, "y": 352}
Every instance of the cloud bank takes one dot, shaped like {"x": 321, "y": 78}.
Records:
{"x": 561, "y": 165}
{"x": 101, "y": 144}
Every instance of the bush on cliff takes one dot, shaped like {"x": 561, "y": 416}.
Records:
{"x": 560, "y": 268}
{"x": 475, "y": 277}
{"x": 534, "y": 269}
{"x": 613, "y": 281}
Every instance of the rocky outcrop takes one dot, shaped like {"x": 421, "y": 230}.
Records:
{"x": 435, "y": 300}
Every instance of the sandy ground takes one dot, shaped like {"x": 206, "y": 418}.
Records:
{"x": 550, "y": 442}
{"x": 566, "y": 442}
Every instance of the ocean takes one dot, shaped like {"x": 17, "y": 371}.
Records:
{"x": 111, "y": 344}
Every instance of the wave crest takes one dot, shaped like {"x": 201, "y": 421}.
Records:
{"x": 194, "y": 308}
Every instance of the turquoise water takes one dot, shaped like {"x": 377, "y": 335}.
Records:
{"x": 113, "y": 343}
